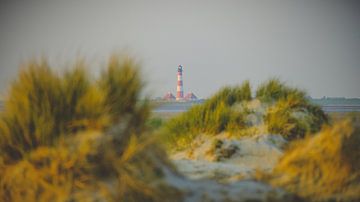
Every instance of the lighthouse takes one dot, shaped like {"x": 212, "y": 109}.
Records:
{"x": 179, "y": 88}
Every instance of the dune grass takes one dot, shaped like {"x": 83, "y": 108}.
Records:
{"x": 89, "y": 166}
{"x": 282, "y": 110}
{"x": 273, "y": 90}
{"x": 122, "y": 85}
{"x": 294, "y": 118}
{"x": 290, "y": 113}
{"x": 42, "y": 106}
{"x": 212, "y": 117}
{"x": 323, "y": 167}
{"x": 69, "y": 137}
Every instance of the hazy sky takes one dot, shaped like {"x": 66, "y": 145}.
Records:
{"x": 312, "y": 44}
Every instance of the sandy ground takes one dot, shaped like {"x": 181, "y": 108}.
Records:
{"x": 215, "y": 174}
{"x": 222, "y": 167}
{"x": 231, "y": 159}
{"x": 208, "y": 190}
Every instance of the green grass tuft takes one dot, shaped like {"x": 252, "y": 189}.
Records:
{"x": 273, "y": 90}
{"x": 212, "y": 117}
{"x": 277, "y": 109}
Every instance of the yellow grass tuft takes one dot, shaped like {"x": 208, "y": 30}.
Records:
{"x": 67, "y": 137}
{"x": 72, "y": 171}
{"x": 323, "y": 167}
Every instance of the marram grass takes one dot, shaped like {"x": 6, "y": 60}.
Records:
{"x": 89, "y": 167}
{"x": 323, "y": 167}
{"x": 68, "y": 137}
{"x": 43, "y": 105}
{"x": 280, "y": 110}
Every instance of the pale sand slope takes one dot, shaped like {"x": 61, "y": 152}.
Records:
{"x": 207, "y": 169}
{"x": 227, "y": 160}
{"x": 208, "y": 190}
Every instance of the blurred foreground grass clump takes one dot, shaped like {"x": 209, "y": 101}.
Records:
{"x": 276, "y": 109}
{"x": 323, "y": 167}
{"x": 69, "y": 137}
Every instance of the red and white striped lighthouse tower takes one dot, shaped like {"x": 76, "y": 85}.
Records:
{"x": 179, "y": 88}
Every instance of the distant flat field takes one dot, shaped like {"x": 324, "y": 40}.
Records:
{"x": 341, "y": 108}
{"x": 177, "y": 107}
{"x": 338, "y": 116}
{"x": 165, "y": 115}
